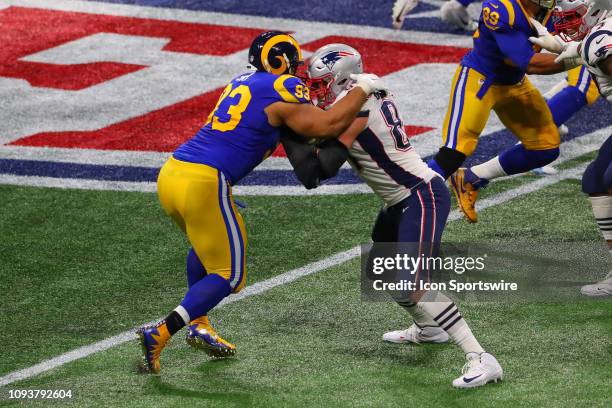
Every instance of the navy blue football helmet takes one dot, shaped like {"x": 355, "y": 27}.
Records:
{"x": 275, "y": 52}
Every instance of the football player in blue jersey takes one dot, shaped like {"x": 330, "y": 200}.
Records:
{"x": 195, "y": 184}
{"x": 492, "y": 77}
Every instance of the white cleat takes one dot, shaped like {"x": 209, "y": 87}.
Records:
{"x": 563, "y": 130}
{"x": 417, "y": 335}
{"x": 599, "y": 289}
{"x": 479, "y": 370}
{"x": 456, "y": 14}
{"x": 400, "y": 9}
{"x": 545, "y": 171}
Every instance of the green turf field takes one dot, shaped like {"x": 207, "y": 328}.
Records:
{"x": 80, "y": 266}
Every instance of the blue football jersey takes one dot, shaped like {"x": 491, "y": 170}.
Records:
{"x": 237, "y": 136}
{"x": 502, "y": 50}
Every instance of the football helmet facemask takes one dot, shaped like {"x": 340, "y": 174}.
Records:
{"x": 329, "y": 72}
{"x": 573, "y": 19}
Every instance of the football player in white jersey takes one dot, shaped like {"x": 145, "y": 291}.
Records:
{"x": 585, "y": 26}
{"x": 585, "y": 31}
{"x": 416, "y": 200}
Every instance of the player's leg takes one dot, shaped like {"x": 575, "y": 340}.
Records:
{"x": 466, "y": 117}
{"x": 597, "y": 183}
{"x": 579, "y": 91}
{"x": 193, "y": 195}
{"x": 420, "y": 221}
{"x": 217, "y": 232}
{"x": 523, "y": 110}
{"x": 424, "y": 223}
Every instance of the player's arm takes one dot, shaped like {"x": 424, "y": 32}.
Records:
{"x": 348, "y": 137}
{"x": 544, "y": 64}
{"x": 515, "y": 46}
{"x": 311, "y": 163}
{"x": 312, "y": 122}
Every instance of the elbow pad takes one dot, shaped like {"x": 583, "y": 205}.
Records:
{"x": 332, "y": 155}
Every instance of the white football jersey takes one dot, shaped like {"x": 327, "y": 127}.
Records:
{"x": 596, "y": 47}
{"x": 382, "y": 154}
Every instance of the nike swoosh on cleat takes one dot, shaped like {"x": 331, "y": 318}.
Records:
{"x": 469, "y": 380}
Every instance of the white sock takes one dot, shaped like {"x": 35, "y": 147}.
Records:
{"x": 420, "y": 317}
{"x": 489, "y": 170}
{"x": 446, "y": 314}
{"x": 183, "y": 313}
{"x": 602, "y": 209}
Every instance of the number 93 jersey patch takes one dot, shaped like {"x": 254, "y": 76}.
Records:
{"x": 495, "y": 15}
{"x": 236, "y": 135}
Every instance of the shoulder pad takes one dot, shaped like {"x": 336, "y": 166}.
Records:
{"x": 498, "y": 14}
{"x": 291, "y": 89}
{"x": 597, "y": 46}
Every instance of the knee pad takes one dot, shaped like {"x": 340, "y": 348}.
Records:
{"x": 602, "y": 209}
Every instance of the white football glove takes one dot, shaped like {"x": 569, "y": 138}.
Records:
{"x": 370, "y": 83}
{"x": 570, "y": 56}
{"x": 546, "y": 40}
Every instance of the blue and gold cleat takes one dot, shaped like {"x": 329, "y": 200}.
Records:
{"x": 153, "y": 339}
{"x": 201, "y": 335}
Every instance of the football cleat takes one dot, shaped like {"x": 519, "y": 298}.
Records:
{"x": 563, "y": 130}
{"x": 153, "y": 339}
{"x": 400, "y": 9}
{"x": 465, "y": 194}
{"x": 456, "y": 14}
{"x": 479, "y": 370}
{"x": 599, "y": 289}
{"x": 545, "y": 171}
{"x": 201, "y": 335}
{"x": 417, "y": 335}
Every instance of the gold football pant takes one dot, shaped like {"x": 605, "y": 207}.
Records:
{"x": 580, "y": 78}
{"x": 199, "y": 199}
{"x": 520, "y": 107}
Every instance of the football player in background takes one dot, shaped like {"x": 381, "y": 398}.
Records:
{"x": 416, "y": 200}
{"x": 492, "y": 77}
{"x": 195, "y": 184}
{"x": 586, "y": 25}
{"x": 570, "y": 95}
{"x": 453, "y": 12}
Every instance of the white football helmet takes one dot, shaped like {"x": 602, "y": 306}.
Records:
{"x": 573, "y": 19}
{"x": 329, "y": 72}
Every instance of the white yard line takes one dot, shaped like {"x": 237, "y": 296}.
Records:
{"x": 283, "y": 279}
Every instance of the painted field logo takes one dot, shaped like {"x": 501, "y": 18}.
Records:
{"x": 125, "y": 83}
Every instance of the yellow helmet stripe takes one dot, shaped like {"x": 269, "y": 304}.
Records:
{"x": 271, "y": 43}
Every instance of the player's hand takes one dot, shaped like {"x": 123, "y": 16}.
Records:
{"x": 546, "y": 40}
{"x": 570, "y": 56}
{"x": 570, "y": 50}
{"x": 370, "y": 83}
